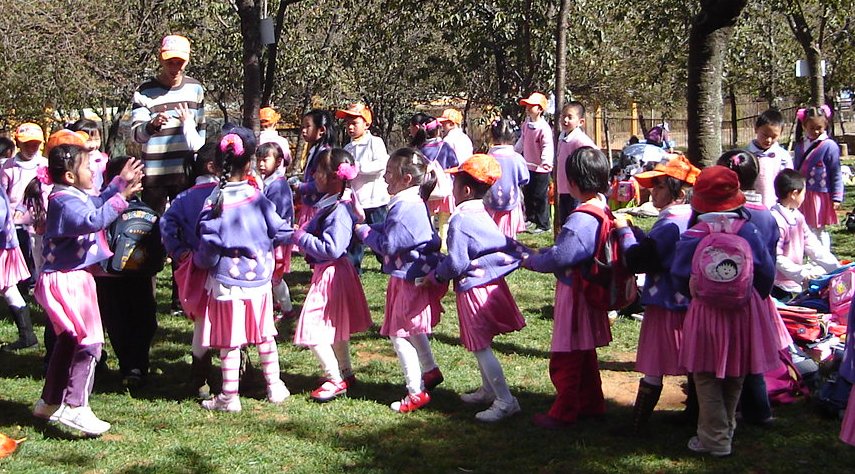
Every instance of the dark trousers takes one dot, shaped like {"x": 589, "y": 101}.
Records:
{"x": 156, "y": 197}
{"x": 754, "y": 400}
{"x": 356, "y": 250}
{"x": 128, "y": 311}
{"x": 536, "y": 199}
{"x": 566, "y": 205}
{"x": 26, "y": 246}
{"x": 71, "y": 372}
{"x": 579, "y": 390}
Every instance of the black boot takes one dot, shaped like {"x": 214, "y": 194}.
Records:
{"x": 645, "y": 402}
{"x": 692, "y": 408}
{"x": 199, "y": 372}
{"x": 26, "y": 336}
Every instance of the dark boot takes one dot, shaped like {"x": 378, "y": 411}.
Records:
{"x": 692, "y": 408}
{"x": 645, "y": 402}
{"x": 26, "y": 336}
{"x": 199, "y": 372}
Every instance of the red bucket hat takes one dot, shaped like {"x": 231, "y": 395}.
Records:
{"x": 717, "y": 190}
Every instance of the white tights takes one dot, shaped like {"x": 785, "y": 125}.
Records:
{"x": 415, "y": 357}
{"x": 492, "y": 376}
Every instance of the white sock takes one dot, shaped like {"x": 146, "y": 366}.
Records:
{"x": 825, "y": 238}
{"x": 282, "y": 295}
{"x": 196, "y": 347}
{"x": 329, "y": 363}
{"x": 13, "y": 297}
{"x": 422, "y": 345}
{"x": 230, "y": 365}
{"x": 653, "y": 380}
{"x": 269, "y": 361}
{"x": 342, "y": 353}
{"x": 409, "y": 359}
{"x": 492, "y": 372}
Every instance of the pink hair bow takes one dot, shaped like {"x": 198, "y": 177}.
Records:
{"x": 802, "y": 113}
{"x": 235, "y": 141}
{"x": 346, "y": 171}
{"x": 43, "y": 176}
{"x": 432, "y": 125}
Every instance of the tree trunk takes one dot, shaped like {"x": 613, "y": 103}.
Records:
{"x": 273, "y": 52}
{"x": 113, "y": 135}
{"x": 708, "y": 39}
{"x": 560, "y": 80}
{"x": 250, "y": 23}
{"x": 734, "y": 120}
{"x": 811, "y": 45}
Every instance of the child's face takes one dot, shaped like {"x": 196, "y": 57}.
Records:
{"x": 814, "y": 127}
{"x": 533, "y": 111}
{"x": 267, "y": 165}
{"x": 83, "y": 174}
{"x": 660, "y": 194}
{"x": 767, "y": 135}
{"x": 413, "y": 130}
{"x": 310, "y": 132}
{"x": 29, "y": 149}
{"x": 795, "y": 199}
{"x": 395, "y": 181}
{"x": 325, "y": 179}
{"x": 356, "y": 127}
{"x": 448, "y": 125}
{"x": 94, "y": 141}
{"x": 570, "y": 119}
{"x": 460, "y": 191}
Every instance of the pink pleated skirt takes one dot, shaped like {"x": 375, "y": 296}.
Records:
{"x": 190, "y": 281}
{"x": 485, "y": 312}
{"x": 13, "y": 267}
{"x": 71, "y": 303}
{"x": 510, "y": 222}
{"x": 237, "y": 322}
{"x": 818, "y": 209}
{"x": 784, "y": 337}
{"x": 445, "y": 205}
{"x": 659, "y": 342}
{"x": 411, "y": 309}
{"x": 282, "y": 263}
{"x": 335, "y": 305}
{"x": 730, "y": 342}
{"x": 847, "y": 428}
{"x": 577, "y": 326}
{"x": 305, "y": 214}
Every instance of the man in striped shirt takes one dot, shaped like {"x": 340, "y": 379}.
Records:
{"x": 168, "y": 120}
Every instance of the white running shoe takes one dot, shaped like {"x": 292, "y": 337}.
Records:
{"x": 81, "y": 418}
{"x": 278, "y": 392}
{"x": 222, "y": 403}
{"x": 44, "y": 411}
{"x": 499, "y": 410}
{"x": 478, "y": 397}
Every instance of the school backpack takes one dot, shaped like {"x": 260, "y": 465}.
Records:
{"x": 722, "y": 265}
{"x": 833, "y": 396}
{"x": 606, "y": 282}
{"x": 134, "y": 238}
{"x": 784, "y": 384}
{"x": 803, "y": 324}
{"x": 841, "y": 288}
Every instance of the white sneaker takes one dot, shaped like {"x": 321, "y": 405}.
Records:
{"x": 698, "y": 447}
{"x": 278, "y": 392}
{"x": 222, "y": 403}
{"x": 478, "y": 397}
{"x": 81, "y": 418}
{"x": 499, "y": 410}
{"x": 44, "y": 411}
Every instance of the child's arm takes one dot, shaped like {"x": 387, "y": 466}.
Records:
{"x": 575, "y": 243}
{"x": 170, "y": 230}
{"x": 375, "y": 165}
{"x": 279, "y": 193}
{"x": 78, "y": 219}
{"x": 389, "y": 238}
{"x": 279, "y": 230}
{"x": 518, "y": 146}
{"x": 334, "y": 239}
{"x": 764, "y": 263}
{"x": 458, "y": 260}
{"x": 817, "y": 252}
{"x": 547, "y": 151}
{"x": 523, "y": 174}
{"x": 835, "y": 177}
{"x": 207, "y": 254}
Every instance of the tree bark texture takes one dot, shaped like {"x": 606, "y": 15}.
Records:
{"x": 249, "y": 12}
{"x": 810, "y": 43}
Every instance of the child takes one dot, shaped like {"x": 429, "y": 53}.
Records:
{"x": 238, "y": 229}
{"x": 536, "y": 146}
{"x": 97, "y": 158}
{"x": 335, "y": 305}
{"x": 270, "y": 160}
{"x": 847, "y": 371}
{"x": 268, "y": 119}
{"x": 455, "y": 137}
{"x": 817, "y": 158}
{"x": 74, "y": 240}
{"x": 772, "y": 157}
{"x": 723, "y": 341}
{"x": 410, "y": 249}
{"x": 571, "y": 138}
{"x": 504, "y": 202}
{"x": 318, "y": 131}
{"x": 371, "y": 156}
{"x": 424, "y": 136}
{"x": 796, "y": 240}
{"x": 579, "y": 328}
{"x": 7, "y": 149}
{"x": 178, "y": 231}
{"x": 13, "y": 269}
{"x": 479, "y": 257}
{"x": 664, "y": 307}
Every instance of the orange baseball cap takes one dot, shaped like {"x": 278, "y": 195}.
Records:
{"x": 678, "y": 167}
{"x": 175, "y": 46}
{"x": 268, "y": 116}
{"x": 66, "y": 137}
{"x": 355, "y": 110}
{"x": 29, "y": 132}
{"x": 536, "y": 98}
{"x": 484, "y": 168}
{"x": 451, "y": 115}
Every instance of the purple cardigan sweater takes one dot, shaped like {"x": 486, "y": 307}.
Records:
{"x": 576, "y": 243}
{"x": 505, "y": 194}
{"x": 822, "y": 169}
{"x": 327, "y": 236}
{"x": 276, "y": 189}
{"x": 437, "y": 150}
{"x": 309, "y": 194}
{"x": 178, "y": 224}
{"x": 238, "y": 244}
{"x": 8, "y": 236}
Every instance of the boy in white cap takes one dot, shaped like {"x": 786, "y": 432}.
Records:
{"x": 455, "y": 137}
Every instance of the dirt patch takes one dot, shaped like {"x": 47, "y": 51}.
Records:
{"x": 620, "y": 383}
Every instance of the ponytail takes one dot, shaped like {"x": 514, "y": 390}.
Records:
{"x": 235, "y": 150}
{"x": 34, "y": 203}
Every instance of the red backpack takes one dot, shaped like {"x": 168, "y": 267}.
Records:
{"x": 606, "y": 282}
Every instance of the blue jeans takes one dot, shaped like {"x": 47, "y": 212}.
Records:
{"x": 355, "y": 251}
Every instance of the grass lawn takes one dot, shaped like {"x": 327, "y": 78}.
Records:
{"x": 160, "y": 428}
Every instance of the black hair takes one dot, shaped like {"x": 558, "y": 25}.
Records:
{"x": 61, "y": 159}
{"x": 195, "y": 165}
{"x": 114, "y": 167}
{"x": 412, "y": 162}
{"x": 6, "y": 144}
{"x": 85, "y": 125}
{"x": 580, "y": 109}
{"x": 787, "y": 181}
{"x": 336, "y": 157}
{"x": 674, "y": 186}
{"x": 266, "y": 148}
{"x": 234, "y": 152}
{"x": 810, "y": 112}
{"x": 589, "y": 169}
{"x": 479, "y": 189}
{"x": 323, "y": 119}
{"x": 772, "y": 117}
{"x": 744, "y": 164}
{"x": 504, "y": 131}
{"x": 423, "y": 122}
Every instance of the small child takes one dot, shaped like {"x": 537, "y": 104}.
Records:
{"x": 268, "y": 119}
{"x": 796, "y": 240}
{"x": 424, "y": 136}
{"x": 335, "y": 305}
{"x": 7, "y": 149}
{"x": 318, "y": 131}
{"x": 664, "y": 307}
{"x": 13, "y": 269}
{"x": 536, "y": 146}
{"x": 409, "y": 246}
{"x": 238, "y": 229}
{"x": 817, "y": 158}
{"x": 772, "y": 157}
{"x": 479, "y": 257}
{"x": 504, "y": 201}
{"x": 723, "y": 343}
{"x": 455, "y": 137}
{"x": 270, "y": 160}
{"x": 578, "y": 327}
{"x": 97, "y": 158}
{"x": 571, "y": 138}
{"x": 74, "y": 240}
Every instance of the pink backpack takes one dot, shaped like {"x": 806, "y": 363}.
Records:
{"x": 722, "y": 265}
{"x": 841, "y": 288}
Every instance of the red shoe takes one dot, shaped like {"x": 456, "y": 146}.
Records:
{"x": 543, "y": 420}
{"x": 329, "y": 390}
{"x": 432, "y": 378}
{"x": 411, "y": 403}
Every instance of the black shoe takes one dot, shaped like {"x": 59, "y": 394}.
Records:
{"x": 26, "y": 336}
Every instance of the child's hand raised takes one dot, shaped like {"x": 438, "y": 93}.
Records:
{"x": 133, "y": 169}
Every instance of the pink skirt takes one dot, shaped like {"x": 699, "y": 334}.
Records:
{"x": 510, "y": 222}
{"x": 818, "y": 209}
{"x": 282, "y": 265}
{"x": 847, "y": 428}
{"x": 577, "y": 326}
{"x": 730, "y": 342}
{"x": 71, "y": 303}
{"x": 446, "y": 205}
{"x": 13, "y": 267}
{"x": 190, "y": 281}
{"x": 659, "y": 342}
{"x": 411, "y": 309}
{"x": 784, "y": 337}
{"x": 238, "y": 322}
{"x": 335, "y": 305}
{"x": 485, "y": 312}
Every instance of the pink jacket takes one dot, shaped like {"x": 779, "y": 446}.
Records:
{"x": 15, "y": 175}
{"x": 567, "y": 144}
{"x": 536, "y": 146}
{"x": 796, "y": 241}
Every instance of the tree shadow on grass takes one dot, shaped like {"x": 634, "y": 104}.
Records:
{"x": 189, "y": 460}
{"x": 507, "y": 348}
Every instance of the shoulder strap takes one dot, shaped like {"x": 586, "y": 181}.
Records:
{"x": 602, "y": 214}
{"x": 810, "y": 154}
